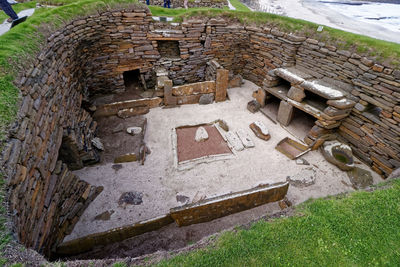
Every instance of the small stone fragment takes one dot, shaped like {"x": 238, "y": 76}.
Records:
{"x": 96, "y": 142}
{"x": 282, "y": 205}
{"x": 224, "y": 126}
{"x": 206, "y": 99}
{"x": 182, "y": 199}
{"x": 201, "y": 134}
{"x": 126, "y": 158}
{"x": 302, "y": 162}
{"x": 234, "y": 140}
{"x": 245, "y": 138}
{"x": 253, "y": 106}
{"x": 260, "y": 130}
{"x": 105, "y": 216}
{"x": 134, "y": 130}
{"x": 118, "y": 128}
{"x": 117, "y": 167}
{"x": 131, "y": 198}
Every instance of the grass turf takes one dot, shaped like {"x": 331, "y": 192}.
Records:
{"x": 361, "y": 229}
{"x": 239, "y": 5}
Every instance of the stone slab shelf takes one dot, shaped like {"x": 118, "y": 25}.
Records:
{"x": 325, "y": 102}
{"x": 281, "y": 93}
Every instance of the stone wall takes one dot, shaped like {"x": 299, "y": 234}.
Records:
{"x": 88, "y": 57}
{"x": 190, "y": 3}
{"x": 372, "y": 129}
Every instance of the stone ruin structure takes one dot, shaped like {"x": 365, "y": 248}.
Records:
{"x": 351, "y": 95}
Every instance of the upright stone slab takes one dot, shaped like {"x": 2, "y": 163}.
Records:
{"x": 169, "y": 99}
{"x": 221, "y": 85}
{"x": 260, "y": 95}
{"x": 285, "y": 113}
{"x": 297, "y": 94}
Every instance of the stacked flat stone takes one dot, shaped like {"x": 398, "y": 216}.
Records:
{"x": 373, "y": 137}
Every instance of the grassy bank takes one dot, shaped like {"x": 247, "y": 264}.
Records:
{"x": 361, "y": 229}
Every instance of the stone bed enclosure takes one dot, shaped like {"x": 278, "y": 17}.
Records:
{"x": 89, "y": 57}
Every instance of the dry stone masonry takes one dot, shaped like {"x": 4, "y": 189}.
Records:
{"x": 89, "y": 56}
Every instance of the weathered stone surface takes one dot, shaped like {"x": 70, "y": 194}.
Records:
{"x": 201, "y": 134}
{"x": 169, "y": 99}
{"x": 253, "y": 106}
{"x": 97, "y": 143}
{"x": 194, "y": 88}
{"x": 221, "y": 85}
{"x": 212, "y": 208}
{"x": 285, "y": 113}
{"x": 317, "y": 131}
{"x": 134, "y": 130}
{"x": 131, "y": 198}
{"x": 182, "y": 199}
{"x": 126, "y": 158}
{"x": 305, "y": 177}
{"x": 139, "y": 104}
{"x": 223, "y": 124}
{"x": 342, "y": 103}
{"x": 297, "y": 94}
{"x": 260, "y": 130}
{"x": 245, "y": 138}
{"x": 289, "y": 76}
{"x": 104, "y": 216}
{"x": 206, "y": 99}
{"x": 323, "y": 90}
{"x": 234, "y": 141}
{"x": 360, "y": 178}
{"x": 236, "y": 81}
{"x": 260, "y": 95}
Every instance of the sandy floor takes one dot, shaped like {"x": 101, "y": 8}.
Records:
{"x": 317, "y": 12}
{"x": 160, "y": 182}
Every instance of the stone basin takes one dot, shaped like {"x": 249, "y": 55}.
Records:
{"x": 338, "y": 154}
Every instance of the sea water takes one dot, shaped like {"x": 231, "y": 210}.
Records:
{"x": 382, "y": 14}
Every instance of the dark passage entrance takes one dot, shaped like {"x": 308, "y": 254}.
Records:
{"x": 132, "y": 80}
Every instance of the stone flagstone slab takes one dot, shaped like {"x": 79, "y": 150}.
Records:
{"x": 245, "y": 138}
{"x": 234, "y": 140}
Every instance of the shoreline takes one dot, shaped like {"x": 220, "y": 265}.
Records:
{"x": 319, "y": 13}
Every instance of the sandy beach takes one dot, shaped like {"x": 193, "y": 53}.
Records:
{"x": 340, "y": 17}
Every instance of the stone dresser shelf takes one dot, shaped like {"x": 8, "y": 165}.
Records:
{"x": 297, "y": 89}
